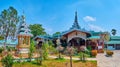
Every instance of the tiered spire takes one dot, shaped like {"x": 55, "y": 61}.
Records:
{"x": 75, "y": 24}
{"x": 76, "y": 19}
{"x": 23, "y": 28}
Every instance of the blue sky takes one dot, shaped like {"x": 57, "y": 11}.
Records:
{"x": 58, "y": 15}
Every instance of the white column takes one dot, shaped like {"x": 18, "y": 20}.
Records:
{"x": 85, "y": 42}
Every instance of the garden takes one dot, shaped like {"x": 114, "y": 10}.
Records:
{"x": 40, "y": 57}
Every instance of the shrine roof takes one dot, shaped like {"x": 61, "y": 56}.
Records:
{"x": 75, "y": 29}
{"x": 24, "y": 33}
{"x": 115, "y": 37}
{"x": 113, "y": 42}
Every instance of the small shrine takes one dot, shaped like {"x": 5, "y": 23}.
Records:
{"x": 23, "y": 38}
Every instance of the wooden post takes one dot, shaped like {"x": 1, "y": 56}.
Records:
{"x": 21, "y": 40}
{"x": 28, "y": 40}
{"x": 25, "y": 39}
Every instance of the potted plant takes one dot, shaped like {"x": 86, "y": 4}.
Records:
{"x": 109, "y": 53}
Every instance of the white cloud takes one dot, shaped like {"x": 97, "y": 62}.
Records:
{"x": 95, "y": 28}
{"x": 89, "y": 18}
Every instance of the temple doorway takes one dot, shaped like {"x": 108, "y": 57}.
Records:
{"x": 77, "y": 41}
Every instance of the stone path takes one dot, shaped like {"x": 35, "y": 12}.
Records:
{"x": 114, "y": 61}
{"x": 74, "y": 58}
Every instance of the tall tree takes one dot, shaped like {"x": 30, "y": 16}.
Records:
{"x": 113, "y": 31}
{"x": 8, "y": 21}
{"x": 37, "y": 29}
{"x": 56, "y": 33}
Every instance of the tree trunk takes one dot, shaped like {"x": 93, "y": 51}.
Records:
{"x": 59, "y": 55}
{"x": 41, "y": 55}
{"x": 5, "y": 43}
{"x": 83, "y": 57}
{"x": 30, "y": 58}
{"x": 70, "y": 60}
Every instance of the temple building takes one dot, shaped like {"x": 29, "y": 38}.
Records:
{"x": 113, "y": 43}
{"x": 78, "y": 37}
{"x": 75, "y": 36}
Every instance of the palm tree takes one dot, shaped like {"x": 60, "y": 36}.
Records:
{"x": 113, "y": 31}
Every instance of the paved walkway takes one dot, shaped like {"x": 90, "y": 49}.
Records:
{"x": 114, "y": 61}
{"x": 74, "y": 58}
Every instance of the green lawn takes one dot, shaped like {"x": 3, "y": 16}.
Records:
{"x": 57, "y": 63}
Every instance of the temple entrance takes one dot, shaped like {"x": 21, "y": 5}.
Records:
{"x": 77, "y": 42}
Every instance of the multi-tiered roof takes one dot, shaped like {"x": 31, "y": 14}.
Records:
{"x": 23, "y": 28}
{"x": 75, "y": 24}
{"x": 75, "y": 27}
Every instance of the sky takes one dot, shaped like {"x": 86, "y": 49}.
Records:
{"x": 58, "y": 15}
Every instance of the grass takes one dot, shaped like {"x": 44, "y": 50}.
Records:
{"x": 57, "y": 63}
{"x": 76, "y": 55}
{"x": 86, "y": 55}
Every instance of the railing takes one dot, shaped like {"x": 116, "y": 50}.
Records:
{"x": 24, "y": 59}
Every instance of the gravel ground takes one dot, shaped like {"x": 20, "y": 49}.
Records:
{"x": 114, "y": 61}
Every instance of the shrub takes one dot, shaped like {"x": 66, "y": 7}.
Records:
{"x": 89, "y": 48}
{"x": 10, "y": 48}
{"x": 45, "y": 50}
{"x": 1, "y": 49}
{"x": 82, "y": 56}
{"x": 100, "y": 51}
{"x": 109, "y": 53}
{"x": 52, "y": 50}
{"x": 32, "y": 49}
{"x": 7, "y": 61}
{"x": 50, "y": 43}
{"x": 94, "y": 52}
